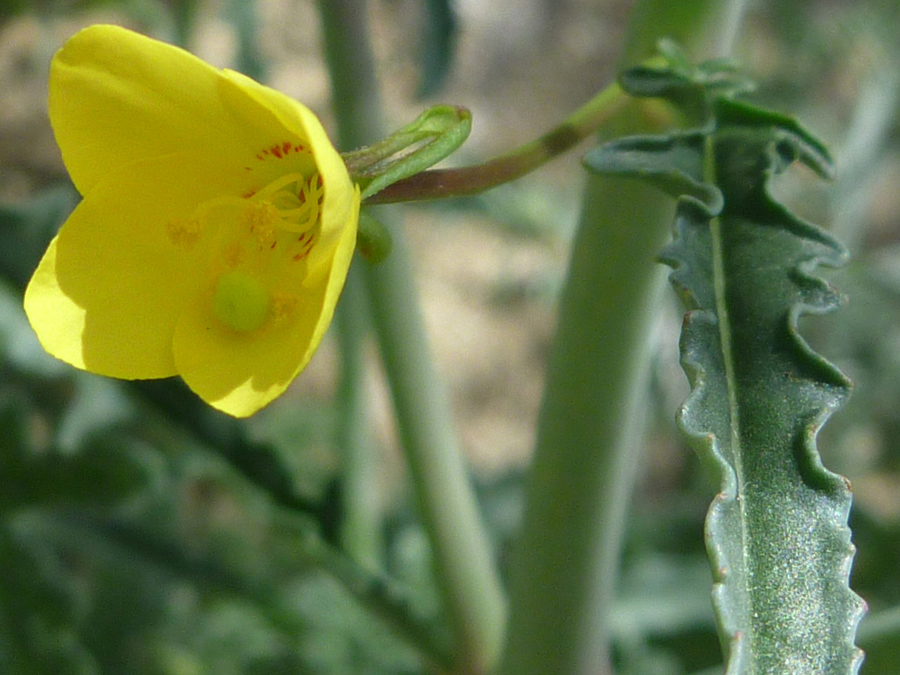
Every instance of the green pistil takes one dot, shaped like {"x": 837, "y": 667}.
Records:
{"x": 241, "y": 301}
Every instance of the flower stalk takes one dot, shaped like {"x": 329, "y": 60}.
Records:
{"x": 465, "y": 181}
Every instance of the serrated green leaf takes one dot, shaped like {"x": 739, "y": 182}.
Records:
{"x": 777, "y": 531}
{"x": 650, "y": 82}
{"x": 694, "y": 89}
{"x": 797, "y": 143}
{"x": 673, "y": 163}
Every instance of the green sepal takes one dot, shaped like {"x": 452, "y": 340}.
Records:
{"x": 418, "y": 146}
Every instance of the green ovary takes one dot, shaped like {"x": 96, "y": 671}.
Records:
{"x": 241, "y": 301}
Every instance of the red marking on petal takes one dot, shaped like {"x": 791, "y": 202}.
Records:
{"x": 281, "y": 150}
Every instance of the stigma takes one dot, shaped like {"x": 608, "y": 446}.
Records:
{"x": 255, "y": 249}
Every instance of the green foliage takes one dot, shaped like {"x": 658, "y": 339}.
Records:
{"x": 143, "y": 533}
{"x": 437, "y": 45}
{"x": 744, "y": 265}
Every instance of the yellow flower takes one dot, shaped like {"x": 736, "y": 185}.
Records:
{"x": 216, "y": 229}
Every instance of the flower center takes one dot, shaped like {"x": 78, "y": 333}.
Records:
{"x": 241, "y": 301}
{"x": 257, "y": 248}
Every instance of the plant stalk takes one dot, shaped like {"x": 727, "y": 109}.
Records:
{"x": 463, "y": 560}
{"x": 360, "y": 533}
{"x": 566, "y": 565}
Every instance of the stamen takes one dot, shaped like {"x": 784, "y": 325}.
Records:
{"x": 261, "y": 242}
{"x": 282, "y": 306}
{"x": 261, "y": 218}
{"x": 185, "y": 232}
{"x": 296, "y": 199}
{"x": 280, "y": 183}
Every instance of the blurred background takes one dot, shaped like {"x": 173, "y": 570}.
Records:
{"x": 140, "y": 532}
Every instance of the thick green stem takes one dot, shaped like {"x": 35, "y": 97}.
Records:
{"x": 589, "y": 432}
{"x": 463, "y": 559}
{"x": 565, "y": 568}
{"x": 361, "y": 516}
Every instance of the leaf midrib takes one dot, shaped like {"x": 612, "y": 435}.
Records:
{"x": 725, "y": 340}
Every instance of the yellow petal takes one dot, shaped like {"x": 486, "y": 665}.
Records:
{"x": 245, "y": 98}
{"x": 148, "y": 133}
{"x": 109, "y": 291}
{"x": 57, "y": 321}
{"x": 117, "y": 97}
{"x": 239, "y": 373}
{"x": 343, "y": 256}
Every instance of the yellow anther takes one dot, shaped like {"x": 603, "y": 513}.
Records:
{"x": 261, "y": 218}
{"x": 282, "y": 306}
{"x": 185, "y": 232}
{"x": 233, "y": 255}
